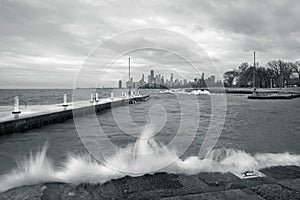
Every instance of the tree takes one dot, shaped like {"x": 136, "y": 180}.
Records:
{"x": 245, "y": 74}
{"x": 229, "y": 78}
{"x": 286, "y": 73}
{"x": 277, "y": 67}
{"x": 262, "y": 78}
{"x": 296, "y": 68}
{"x": 271, "y": 77}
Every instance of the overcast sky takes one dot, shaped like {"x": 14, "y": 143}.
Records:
{"x": 44, "y": 43}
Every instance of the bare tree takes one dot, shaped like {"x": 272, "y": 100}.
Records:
{"x": 277, "y": 67}
{"x": 296, "y": 68}
{"x": 287, "y": 71}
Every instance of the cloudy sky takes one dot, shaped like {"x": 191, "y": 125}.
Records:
{"x": 45, "y": 44}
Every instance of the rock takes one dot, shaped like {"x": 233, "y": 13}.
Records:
{"x": 275, "y": 191}
{"x": 293, "y": 184}
{"x": 282, "y": 172}
{"x": 224, "y": 195}
{"x": 280, "y": 183}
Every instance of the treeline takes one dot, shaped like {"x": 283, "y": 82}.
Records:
{"x": 276, "y": 73}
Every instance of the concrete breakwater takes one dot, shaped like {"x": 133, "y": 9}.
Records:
{"x": 246, "y": 91}
{"x": 52, "y": 114}
{"x": 273, "y": 95}
{"x": 280, "y": 182}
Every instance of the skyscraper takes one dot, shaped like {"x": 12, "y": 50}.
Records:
{"x": 213, "y": 79}
{"x": 152, "y": 76}
{"x": 143, "y": 77}
{"x": 120, "y": 84}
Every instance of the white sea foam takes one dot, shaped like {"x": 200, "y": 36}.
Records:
{"x": 200, "y": 92}
{"x": 181, "y": 91}
{"x": 144, "y": 156}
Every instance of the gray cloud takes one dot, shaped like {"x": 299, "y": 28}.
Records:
{"x": 45, "y": 41}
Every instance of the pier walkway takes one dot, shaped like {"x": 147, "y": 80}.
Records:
{"x": 37, "y": 116}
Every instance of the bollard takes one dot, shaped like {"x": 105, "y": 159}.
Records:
{"x": 65, "y": 104}
{"x": 112, "y": 96}
{"x": 97, "y": 97}
{"x": 16, "y": 106}
{"x": 138, "y": 93}
{"x": 92, "y": 98}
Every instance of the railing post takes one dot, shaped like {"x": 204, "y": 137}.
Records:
{"x": 97, "y": 97}
{"x": 92, "y": 98}
{"x": 65, "y": 104}
{"x": 112, "y": 95}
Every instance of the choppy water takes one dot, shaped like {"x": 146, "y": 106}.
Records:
{"x": 256, "y": 134}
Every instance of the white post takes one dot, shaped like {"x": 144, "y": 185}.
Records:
{"x": 97, "y": 97}
{"x": 16, "y": 106}
{"x": 92, "y": 98}
{"x": 112, "y": 95}
{"x": 138, "y": 93}
{"x": 65, "y": 100}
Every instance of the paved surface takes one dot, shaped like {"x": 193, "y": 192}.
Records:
{"x": 279, "y": 183}
{"x": 31, "y": 110}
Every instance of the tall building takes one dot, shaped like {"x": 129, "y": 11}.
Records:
{"x": 185, "y": 81}
{"x": 120, "y": 84}
{"x": 152, "y": 73}
{"x": 151, "y": 78}
{"x": 171, "y": 84}
{"x": 213, "y": 79}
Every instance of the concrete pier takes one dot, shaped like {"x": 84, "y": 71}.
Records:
{"x": 51, "y": 114}
{"x": 273, "y": 95}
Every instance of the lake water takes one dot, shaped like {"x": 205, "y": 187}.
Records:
{"x": 255, "y": 134}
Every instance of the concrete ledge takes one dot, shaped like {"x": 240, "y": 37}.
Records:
{"x": 172, "y": 186}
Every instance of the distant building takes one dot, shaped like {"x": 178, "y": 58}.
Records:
{"x": 185, "y": 82}
{"x": 143, "y": 77}
{"x": 120, "y": 84}
{"x": 213, "y": 79}
{"x": 152, "y": 80}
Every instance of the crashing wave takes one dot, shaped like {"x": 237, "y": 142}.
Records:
{"x": 200, "y": 92}
{"x": 144, "y": 156}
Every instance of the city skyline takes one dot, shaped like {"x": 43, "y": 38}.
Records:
{"x": 172, "y": 81}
